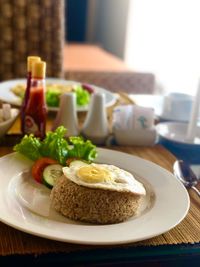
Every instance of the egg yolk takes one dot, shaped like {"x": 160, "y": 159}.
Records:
{"x": 91, "y": 174}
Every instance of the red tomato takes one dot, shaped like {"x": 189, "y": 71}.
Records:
{"x": 88, "y": 88}
{"x": 38, "y": 167}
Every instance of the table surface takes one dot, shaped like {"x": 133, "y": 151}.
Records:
{"x": 146, "y": 251}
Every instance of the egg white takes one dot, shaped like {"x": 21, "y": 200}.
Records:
{"x": 121, "y": 180}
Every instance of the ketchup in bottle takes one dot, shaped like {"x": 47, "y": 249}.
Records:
{"x": 30, "y": 61}
{"x": 35, "y": 112}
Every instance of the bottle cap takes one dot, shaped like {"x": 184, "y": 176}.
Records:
{"x": 39, "y": 69}
{"x": 30, "y": 61}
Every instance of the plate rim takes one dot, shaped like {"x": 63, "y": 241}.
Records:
{"x": 110, "y": 242}
{"x": 175, "y": 141}
{"x": 79, "y": 109}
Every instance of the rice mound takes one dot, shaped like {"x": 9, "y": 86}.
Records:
{"x": 92, "y": 205}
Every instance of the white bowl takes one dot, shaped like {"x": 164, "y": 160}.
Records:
{"x": 7, "y": 124}
{"x": 172, "y": 135}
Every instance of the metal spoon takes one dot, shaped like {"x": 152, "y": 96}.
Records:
{"x": 184, "y": 173}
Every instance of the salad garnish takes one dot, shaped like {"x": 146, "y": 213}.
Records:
{"x": 55, "y": 146}
{"x": 54, "y": 150}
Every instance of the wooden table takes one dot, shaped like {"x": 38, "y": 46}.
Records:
{"x": 180, "y": 245}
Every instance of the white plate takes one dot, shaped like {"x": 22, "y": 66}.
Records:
{"x": 176, "y": 132}
{"x": 22, "y": 202}
{"x": 8, "y": 96}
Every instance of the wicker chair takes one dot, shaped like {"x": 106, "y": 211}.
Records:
{"x": 31, "y": 27}
{"x": 129, "y": 82}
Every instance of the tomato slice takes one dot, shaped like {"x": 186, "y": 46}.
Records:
{"x": 88, "y": 88}
{"x": 38, "y": 167}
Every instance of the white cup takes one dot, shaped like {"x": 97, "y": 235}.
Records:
{"x": 177, "y": 106}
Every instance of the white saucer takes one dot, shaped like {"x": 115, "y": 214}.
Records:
{"x": 177, "y": 132}
{"x": 172, "y": 135}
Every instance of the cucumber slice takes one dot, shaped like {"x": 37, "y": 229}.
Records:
{"x": 51, "y": 173}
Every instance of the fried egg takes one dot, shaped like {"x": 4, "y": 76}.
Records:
{"x": 103, "y": 176}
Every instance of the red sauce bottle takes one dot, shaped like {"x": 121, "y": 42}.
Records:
{"x": 36, "y": 111}
{"x": 30, "y": 61}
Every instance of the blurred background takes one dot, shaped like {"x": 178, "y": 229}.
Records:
{"x": 107, "y": 37}
{"x": 157, "y": 36}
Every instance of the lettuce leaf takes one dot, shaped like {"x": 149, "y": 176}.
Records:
{"x": 29, "y": 147}
{"x": 55, "y": 145}
{"x": 53, "y": 97}
{"x": 82, "y": 149}
{"x": 82, "y": 96}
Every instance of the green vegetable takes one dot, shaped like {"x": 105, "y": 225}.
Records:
{"x": 29, "y": 147}
{"x": 82, "y": 149}
{"x": 53, "y": 97}
{"x": 82, "y": 96}
{"x": 55, "y": 145}
{"x": 51, "y": 174}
